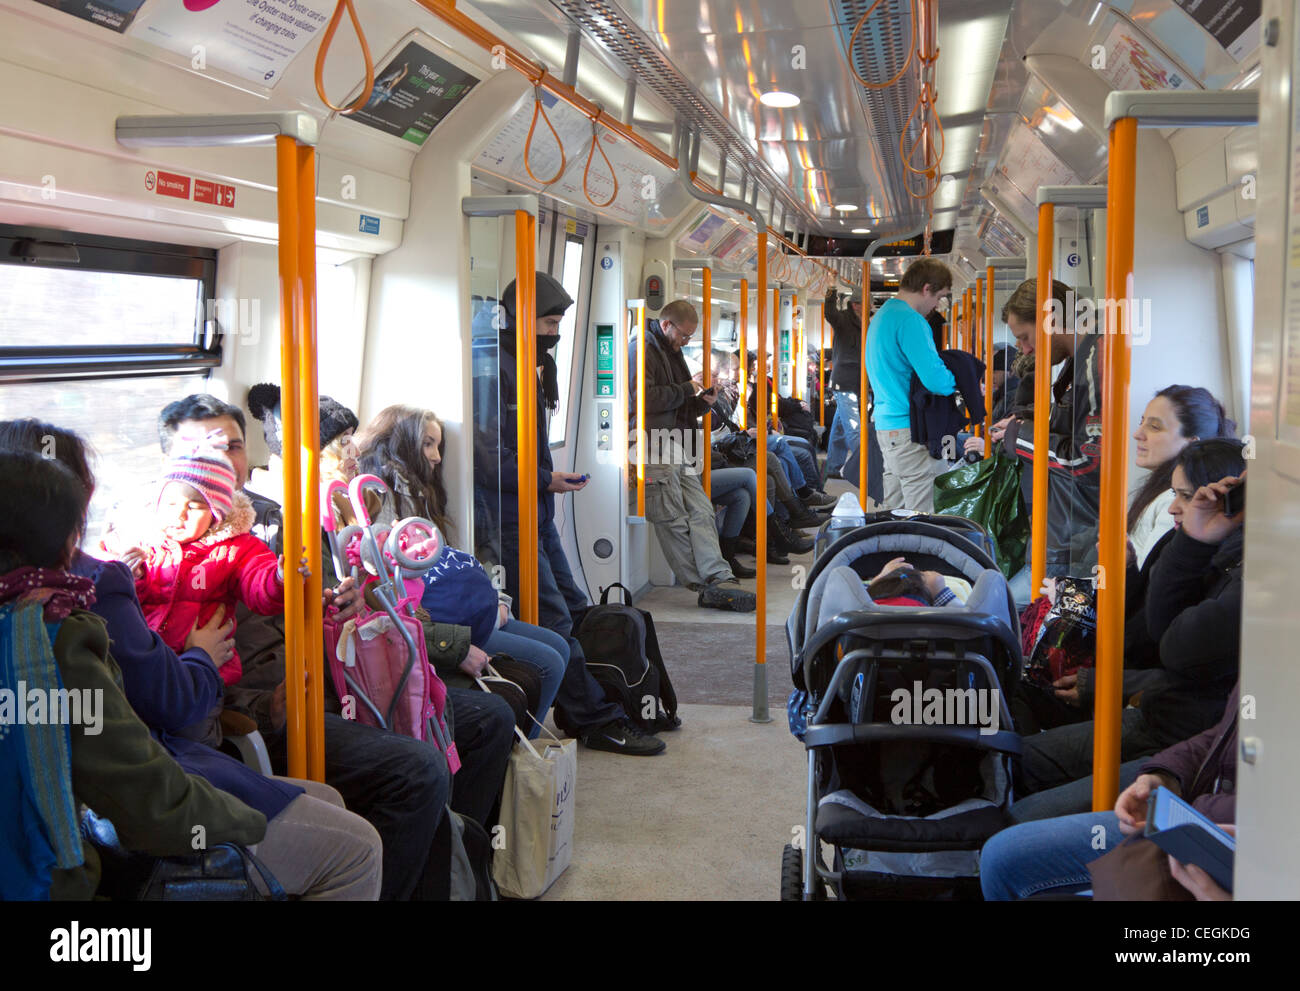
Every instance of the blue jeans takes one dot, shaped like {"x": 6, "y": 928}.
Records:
{"x": 543, "y": 649}
{"x": 1070, "y": 799}
{"x": 844, "y": 436}
{"x": 779, "y": 446}
{"x": 580, "y": 704}
{"x": 1048, "y": 855}
{"x": 737, "y": 490}
{"x": 807, "y": 458}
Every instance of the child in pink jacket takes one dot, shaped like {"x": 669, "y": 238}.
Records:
{"x": 201, "y": 555}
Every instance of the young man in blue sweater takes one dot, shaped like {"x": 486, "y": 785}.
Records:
{"x": 900, "y": 343}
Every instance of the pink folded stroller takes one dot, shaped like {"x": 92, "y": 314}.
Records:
{"x": 378, "y": 659}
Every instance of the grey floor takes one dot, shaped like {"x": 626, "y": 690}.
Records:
{"x": 706, "y": 820}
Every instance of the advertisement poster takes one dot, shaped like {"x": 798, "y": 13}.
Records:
{"x": 413, "y": 93}
{"x": 1134, "y": 63}
{"x": 702, "y": 232}
{"x": 116, "y": 15}
{"x": 1234, "y": 24}
{"x": 254, "y": 40}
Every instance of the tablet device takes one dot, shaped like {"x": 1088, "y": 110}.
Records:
{"x": 1189, "y": 837}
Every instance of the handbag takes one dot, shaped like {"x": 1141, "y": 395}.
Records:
{"x": 537, "y": 816}
{"x": 1066, "y": 639}
{"x": 226, "y": 872}
{"x": 1135, "y": 871}
{"x": 988, "y": 492}
{"x": 519, "y": 683}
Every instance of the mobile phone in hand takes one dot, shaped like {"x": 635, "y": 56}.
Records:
{"x": 1234, "y": 500}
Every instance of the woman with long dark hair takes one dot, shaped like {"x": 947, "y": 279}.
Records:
{"x": 1175, "y": 417}
{"x": 1191, "y": 613}
{"x": 404, "y": 445}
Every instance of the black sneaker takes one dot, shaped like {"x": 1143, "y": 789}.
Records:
{"x": 623, "y": 737}
{"x": 727, "y": 594}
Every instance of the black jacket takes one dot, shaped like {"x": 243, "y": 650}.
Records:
{"x": 670, "y": 399}
{"x": 797, "y": 421}
{"x": 846, "y": 346}
{"x": 935, "y": 418}
{"x": 1193, "y": 610}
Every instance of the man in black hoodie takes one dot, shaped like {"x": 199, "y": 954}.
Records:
{"x": 846, "y": 378}
{"x": 580, "y": 707}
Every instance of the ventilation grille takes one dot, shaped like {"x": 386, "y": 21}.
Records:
{"x": 881, "y": 49}
{"x": 606, "y": 24}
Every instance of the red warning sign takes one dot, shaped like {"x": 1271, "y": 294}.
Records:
{"x": 216, "y": 193}
{"x": 171, "y": 184}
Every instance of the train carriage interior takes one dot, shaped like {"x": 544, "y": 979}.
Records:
{"x": 610, "y": 246}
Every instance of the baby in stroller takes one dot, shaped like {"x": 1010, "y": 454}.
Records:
{"x": 902, "y": 687}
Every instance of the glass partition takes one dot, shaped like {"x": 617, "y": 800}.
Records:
{"x": 487, "y": 320}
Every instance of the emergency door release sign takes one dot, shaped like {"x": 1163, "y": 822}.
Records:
{"x": 179, "y": 186}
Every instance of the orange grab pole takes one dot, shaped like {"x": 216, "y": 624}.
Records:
{"x": 526, "y": 415}
{"x": 742, "y": 398}
{"x": 1121, "y": 199}
{"x": 977, "y": 336}
{"x": 864, "y": 445}
{"x": 798, "y": 363}
{"x": 1042, "y": 400}
{"x": 290, "y": 258}
{"x": 641, "y": 438}
{"x": 309, "y": 424}
{"x": 988, "y": 366}
{"x": 707, "y": 317}
{"x": 776, "y": 352}
{"x": 760, "y": 462}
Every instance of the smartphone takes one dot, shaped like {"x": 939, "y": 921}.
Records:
{"x": 1234, "y": 500}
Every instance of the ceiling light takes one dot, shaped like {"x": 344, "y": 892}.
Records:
{"x": 779, "y": 99}
{"x": 862, "y": 230}
{"x": 846, "y": 207}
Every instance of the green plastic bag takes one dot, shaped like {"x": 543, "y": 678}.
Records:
{"x": 988, "y": 492}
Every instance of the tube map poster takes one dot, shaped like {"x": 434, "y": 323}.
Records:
{"x": 413, "y": 93}
{"x": 115, "y": 15}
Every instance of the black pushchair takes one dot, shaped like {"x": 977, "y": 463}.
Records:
{"x": 908, "y": 731}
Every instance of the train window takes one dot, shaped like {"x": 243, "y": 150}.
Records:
{"x": 98, "y": 335}
{"x": 575, "y": 252}
{"x": 117, "y": 416}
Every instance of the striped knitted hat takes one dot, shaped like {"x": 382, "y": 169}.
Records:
{"x": 200, "y": 462}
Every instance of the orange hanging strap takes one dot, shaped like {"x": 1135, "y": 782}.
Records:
{"x": 595, "y": 146}
{"x": 538, "y": 109}
{"x": 853, "y": 44}
{"x": 365, "y": 54}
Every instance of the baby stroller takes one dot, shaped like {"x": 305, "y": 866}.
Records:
{"x": 909, "y": 735}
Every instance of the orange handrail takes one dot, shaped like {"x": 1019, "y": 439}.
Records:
{"x": 977, "y": 338}
{"x": 799, "y": 363}
{"x": 526, "y": 415}
{"x": 447, "y": 12}
{"x": 309, "y": 421}
{"x": 864, "y": 444}
{"x": 707, "y": 317}
{"x": 642, "y": 437}
{"x": 1112, "y": 537}
{"x": 1042, "y": 400}
{"x": 290, "y": 260}
{"x": 776, "y": 354}
{"x": 760, "y": 466}
{"x": 988, "y": 366}
{"x": 742, "y": 396}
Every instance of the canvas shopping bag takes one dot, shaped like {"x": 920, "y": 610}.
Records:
{"x": 537, "y": 815}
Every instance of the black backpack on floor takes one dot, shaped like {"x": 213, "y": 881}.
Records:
{"x": 623, "y": 656}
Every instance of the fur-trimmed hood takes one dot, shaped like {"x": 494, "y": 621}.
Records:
{"x": 240, "y": 520}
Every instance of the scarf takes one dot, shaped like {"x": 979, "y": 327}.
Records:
{"x": 32, "y": 602}
{"x": 545, "y": 362}
{"x": 58, "y": 591}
